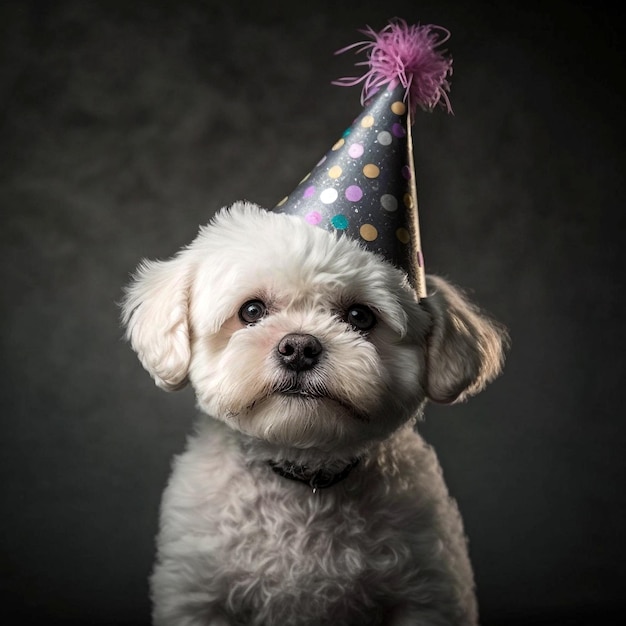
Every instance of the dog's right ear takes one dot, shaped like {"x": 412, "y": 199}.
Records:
{"x": 155, "y": 312}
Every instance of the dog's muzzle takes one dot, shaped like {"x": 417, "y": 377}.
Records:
{"x": 299, "y": 351}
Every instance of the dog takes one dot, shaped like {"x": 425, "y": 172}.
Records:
{"x": 305, "y": 495}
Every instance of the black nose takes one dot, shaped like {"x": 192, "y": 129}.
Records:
{"x": 299, "y": 351}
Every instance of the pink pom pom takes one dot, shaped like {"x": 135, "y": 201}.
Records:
{"x": 405, "y": 54}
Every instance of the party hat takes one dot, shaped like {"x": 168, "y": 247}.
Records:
{"x": 365, "y": 184}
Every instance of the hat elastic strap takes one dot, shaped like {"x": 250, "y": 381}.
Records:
{"x": 417, "y": 260}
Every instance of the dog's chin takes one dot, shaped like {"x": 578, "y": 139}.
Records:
{"x": 304, "y": 420}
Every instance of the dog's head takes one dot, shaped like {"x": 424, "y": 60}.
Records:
{"x": 301, "y": 338}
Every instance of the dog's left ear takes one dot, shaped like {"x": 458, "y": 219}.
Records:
{"x": 465, "y": 347}
{"x": 155, "y": 311}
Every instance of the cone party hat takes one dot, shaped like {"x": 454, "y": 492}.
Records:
{"x": 365, "y": 184}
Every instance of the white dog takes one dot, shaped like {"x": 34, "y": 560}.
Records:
{"x": 306, "y": 497}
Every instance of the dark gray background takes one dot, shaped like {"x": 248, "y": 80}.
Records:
{"x": 125, "y": 125}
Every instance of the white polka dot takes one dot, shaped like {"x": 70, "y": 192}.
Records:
{"x": 384, "y": 138}
{"x": 389, "y": 202}
{"x": 328, "y": 196}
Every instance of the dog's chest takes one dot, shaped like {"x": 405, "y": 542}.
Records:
{"x": 308, "y": 558}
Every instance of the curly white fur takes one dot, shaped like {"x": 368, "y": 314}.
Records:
{"x": 240, "y": 544}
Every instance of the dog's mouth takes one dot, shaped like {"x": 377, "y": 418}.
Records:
{"x": 303, "y": 393}
{"x": 307, "y": 391}
{"x": 303, "y": 388}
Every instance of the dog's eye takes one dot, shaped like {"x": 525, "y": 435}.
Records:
{"x": 252, "y": 311}
{"x": 360, "y": 317}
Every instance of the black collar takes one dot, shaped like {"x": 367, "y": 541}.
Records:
{"x": 319, "y": 479}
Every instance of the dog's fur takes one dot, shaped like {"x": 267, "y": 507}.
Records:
{"x": 240, "y": 544}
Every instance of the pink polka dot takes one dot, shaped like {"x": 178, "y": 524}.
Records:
{"x": 398, "y": 130}
{"x": 354, "y": 193}
{"x": 406, "y": 172}
{"x": 314, "y": 217}
{"x": 308, "y": 192}
{"x": 355, "y": 150}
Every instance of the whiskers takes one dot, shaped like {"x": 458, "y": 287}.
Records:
{"x": 301, "y": 385}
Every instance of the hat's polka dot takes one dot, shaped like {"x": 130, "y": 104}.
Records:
{"x": 384, "y": 138}
{"x": 339, "y": 144}
{"x": 398, "y": 130}
{"x": 388, "y": 202}
{"x": 340, "y": 222}
{"x": 398, "y": 108}
{"x": 420, "y": 259}
{"x": 283, "y": 201}
{"x": 368, "y": 232}
{"x": 335, "y": 171}
{"x": 346, "y": 132}
{"x": 309, "y": 192}
{"x": 367, "y": 121}
{"x": 305, "y": 177}
{"x": 403, "y": 235}
{"x": 406, "y": 172}
{"x": 321, "y": 160}
{"x": 408, "y": 201}
{"x": 371, "y": 170}
{"x": 314, "y": 217}
{"x": 355, "y": 150}
{"x": 354, "y": 193}
{"x": 328, "y": 196}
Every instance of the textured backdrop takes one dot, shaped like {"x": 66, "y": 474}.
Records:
{"x": 125, "y": 125}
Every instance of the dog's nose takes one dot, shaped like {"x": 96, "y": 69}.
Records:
{"x": 298, "y": 351}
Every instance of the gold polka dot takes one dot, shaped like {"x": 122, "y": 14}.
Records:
{"x": 398, "y": 108}
{"x": 408, "y": 200}
{"x": 282, "y": 201}
{"x": 367, "y": 121}
{"x": 339, "y": 144}
{"x": 305, "y": 177}
{"x": 368, "y": 232}
{"x": 334, "y": 171}
{"x": 403, "y": 235}
{"x": 371, "y": 170}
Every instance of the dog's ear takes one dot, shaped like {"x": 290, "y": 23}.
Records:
{"x": 155, "y": 312}
{"x": 465, "y": 347}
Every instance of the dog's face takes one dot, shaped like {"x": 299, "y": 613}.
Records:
{"x": 299, "y": 338}
{"x": 314, "y": 342}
